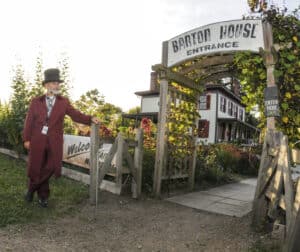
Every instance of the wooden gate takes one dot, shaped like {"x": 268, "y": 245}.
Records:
{"x": 124, "y": 164}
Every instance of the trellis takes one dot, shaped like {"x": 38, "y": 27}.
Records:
{"x": 191, "y": 76}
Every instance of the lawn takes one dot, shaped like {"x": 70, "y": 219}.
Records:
{"x": 66, "y": 195}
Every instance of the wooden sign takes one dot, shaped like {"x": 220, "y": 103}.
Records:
{"x": 76, "y": 150}
{"x": 227, "y": 36}
{"x": 271, "y": 101}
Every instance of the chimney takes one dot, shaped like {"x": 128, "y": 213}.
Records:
{"x": 153, "y": 81}
{"x": 236, "y": 87}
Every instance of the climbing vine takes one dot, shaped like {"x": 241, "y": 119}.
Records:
{"x": 251, "y": 71}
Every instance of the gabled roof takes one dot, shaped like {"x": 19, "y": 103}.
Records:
{"x": 224, "y": 90}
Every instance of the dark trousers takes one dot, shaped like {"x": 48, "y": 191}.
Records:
{"x": 41, "y": 186}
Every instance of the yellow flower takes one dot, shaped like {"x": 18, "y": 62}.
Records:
{"x": 285, "y": 119}
{"x": 288, "y": 95}
{"x": 295, "y": 38}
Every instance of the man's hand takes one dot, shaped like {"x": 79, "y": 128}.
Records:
{"x": 95, "y": 120}
{"x": 27, "y": 145}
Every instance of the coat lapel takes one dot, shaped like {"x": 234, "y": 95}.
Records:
{"x": 43, "y": 106}
{"x": 55, "y": 110}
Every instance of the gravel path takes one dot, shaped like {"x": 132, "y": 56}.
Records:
{"x": 124, "y": 224}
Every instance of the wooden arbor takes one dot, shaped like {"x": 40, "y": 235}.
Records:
{"x": 192, "y": 75}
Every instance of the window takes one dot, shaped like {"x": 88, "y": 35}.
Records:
{"x": 235, "y": 111}
{"x": 204, "y": 102}
{"x": 203, "y": 129}
{"x": 230, "y": 108}
{"x": 223, "y": 104}
{"x": 241, "y": 114}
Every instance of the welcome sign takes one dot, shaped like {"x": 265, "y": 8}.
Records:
{"x": 236, "y": 35}
{"x": 76, "y": 150}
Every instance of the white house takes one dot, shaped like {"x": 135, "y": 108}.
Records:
{"x": 222, "y": 115}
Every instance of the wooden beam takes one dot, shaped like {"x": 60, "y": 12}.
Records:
{"x": 119, "y": 160}
{"x": 208, "y": 62}
{"x": 138, "y": 160}
{"x": 95, "y": 142}
{"x": 176, "y": 77}
{"x": 161, "y": 141}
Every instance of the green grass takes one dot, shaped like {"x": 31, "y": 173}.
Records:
{"x": 65, "y": 195}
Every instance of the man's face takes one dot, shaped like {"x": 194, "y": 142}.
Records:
{"x": 52, "y": 87}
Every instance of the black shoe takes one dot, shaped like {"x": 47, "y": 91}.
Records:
{"x": 43, "y": 203}
{"x": 29, "y": 196}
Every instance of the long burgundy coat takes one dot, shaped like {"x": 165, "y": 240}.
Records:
{"x": 35, "y": 120}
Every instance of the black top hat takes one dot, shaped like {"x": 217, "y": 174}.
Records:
{"x": 52, "y": 75}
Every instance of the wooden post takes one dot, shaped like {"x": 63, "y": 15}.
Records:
{"x": 138, "y": 159}
{"x": 269, "y": 63}
{"x": 192, "y": 169}
{"x": 260, "y": 202}
{"x": 161, "y": 143}
{"x": 119, "y": 161}
{"x": 95, "y": 144}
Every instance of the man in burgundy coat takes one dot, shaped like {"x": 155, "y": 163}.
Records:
{"x": 43, "y": 136}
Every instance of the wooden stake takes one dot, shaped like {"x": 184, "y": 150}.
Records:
{"x": 95, "y": 144}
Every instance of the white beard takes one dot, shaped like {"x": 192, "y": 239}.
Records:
{"x": 53, "y": 91}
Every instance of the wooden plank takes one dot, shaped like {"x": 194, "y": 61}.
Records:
{"x": 268, "y": 162}
{"x": 274, "y": 193}
{"x": 175, "y": 176}
{"x": 297, "y": 197}
{"x": 283, "y": 163}
{"x": 95, "y": 141}
{"x": 119, "y": 160}
{"x": 292, "y": 243}
{"x": 138, "y": 160}
{"x": 110, "y": 187}
{"x": 260, "y": 203}
{"x": 164, "y": 59}
{"x": 161, "y": 143}
{"x": 105, "y": 166}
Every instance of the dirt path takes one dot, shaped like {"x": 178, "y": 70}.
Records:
{"x": 123, "y": 224}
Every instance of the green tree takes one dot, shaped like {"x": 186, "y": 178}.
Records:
{"x": 91, "y": 102}
{"x": 36, "y": 89}
{"x": 19, "y": 102}
{"x": 63, "y": 65}
{"x": 4, "y": 117}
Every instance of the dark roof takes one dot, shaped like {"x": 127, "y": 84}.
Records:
{"x": 208, "y": 87}
{"x": 147, "y": 93}
{"x": 140, "y": 115}
{"x": 224, "y": 89}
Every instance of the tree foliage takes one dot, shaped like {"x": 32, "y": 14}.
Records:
{"x": 251, "y": 71}
{"x": 19, "y": 102}
{"x": 92, "y": 103}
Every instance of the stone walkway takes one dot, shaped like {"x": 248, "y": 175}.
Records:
{"x": 231, "y": 199}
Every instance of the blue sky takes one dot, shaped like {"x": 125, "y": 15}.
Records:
{"x": 111, "y": 44}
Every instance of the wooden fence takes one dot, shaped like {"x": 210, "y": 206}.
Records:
{"x": 101, "y": 164}
{"x": 277, "y": 196}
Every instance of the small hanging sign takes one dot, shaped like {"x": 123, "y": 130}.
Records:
{"x": 271, "y": 102}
